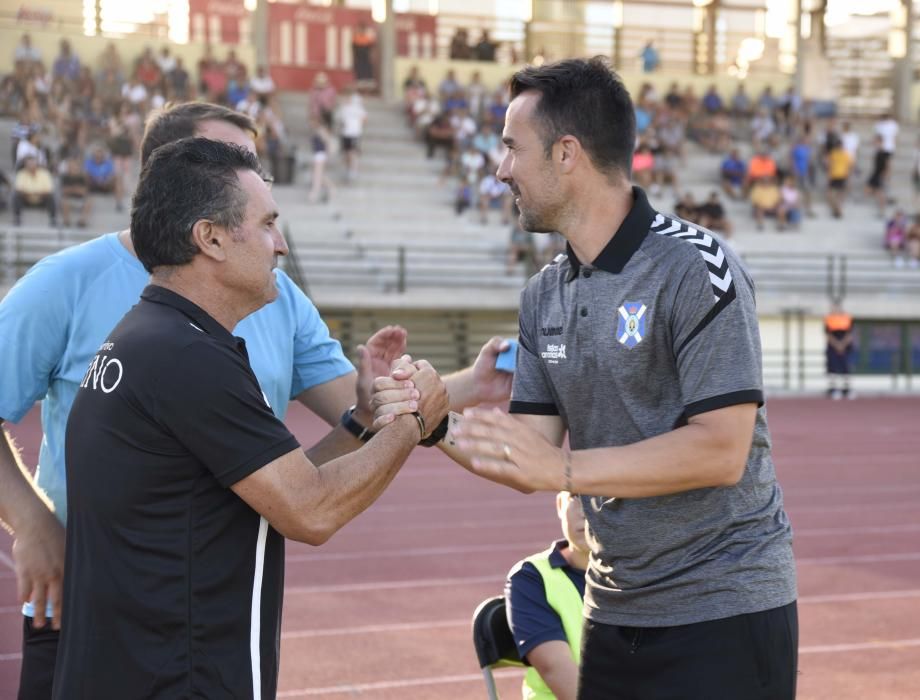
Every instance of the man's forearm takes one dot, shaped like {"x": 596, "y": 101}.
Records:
{"x": 334, "y": 444}
{"x": 461, "y": 389}
{"x": 19, "y": 497}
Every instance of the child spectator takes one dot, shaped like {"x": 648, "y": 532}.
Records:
{"x": 493, "y": 193}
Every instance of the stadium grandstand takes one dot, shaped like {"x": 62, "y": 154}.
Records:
{"x": 787, "y": 128}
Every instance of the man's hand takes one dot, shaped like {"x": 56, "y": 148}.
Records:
{"x": 38, "y": 553}
{"x": 374, "y": 360}
{"x": 489, "y": 384}
{"x": 503, "y": 449}
{"x": 434, "y": 401}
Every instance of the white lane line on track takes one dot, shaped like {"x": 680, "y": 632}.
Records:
{"x": 860, "y": 646}
{"x": 859, "y": 597}
{"x": 405, "y": 683}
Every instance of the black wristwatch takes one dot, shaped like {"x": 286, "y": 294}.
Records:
{"x": 436, "y": 435}
{"x": 354, "y": 427}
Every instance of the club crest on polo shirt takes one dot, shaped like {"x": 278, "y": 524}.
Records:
{"x": 631, "y": 323}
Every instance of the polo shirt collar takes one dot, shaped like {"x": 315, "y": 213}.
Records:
{"x": 198, "y": 316}
{"x": 624, "y": 242}
{"x": 556, "y": 560}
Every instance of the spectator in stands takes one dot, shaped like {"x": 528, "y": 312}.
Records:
{"x": 261, "y": 84}
{"x": 448, "y": 86}
{"x": 839, "y": 166}
{"x": 711, "y": 214}
{"x": 761, "y": 165}
{"x": 460, "y": 49}
{"x": 741, "y": 103}
{"x": 494, "y": 194}
{"x": 110, "y": 60}
{"x": 732, "y": 175}
{"x": 135, "y": 92}
{"x": 543, "y": 597}
{"x": 912, "y": 243}
{"x": 33, "y": 188}
{"x": 650, "y": 58}
{"x": 234, "y": 68}
{"x": 320, "y": 184}
{"x": 522, "y": 248}
{"x": 763, "y": 129}
{"x": 838, "y": 329}
{"x": 322, "y": 100}
{"x": 100, "y": 171}
{"x": 886, "y": 128}
{"x": 485, "y": 48}
{"x": 363, "y": 43}
{"x": 850, "y": 141}
{"x": 147, "y": 71}
{"x": 351, "y": 117}
{"x": 643, "y": 165}
{"x": 790, "y": 206}
{"x": 213, "y": 78}
{"x": 875, "y": 185}
{"x": 915, "y": 175}
{"x": 31, "y": 147}
{"x": 25, "y": 54}
{"x": 124, "y": 135}
{"x": 66, "y": 65}
{"x": 712, "y": 102}
{"x": 896, "y": 236}
{"x": 476, "y": 95}
{"x": 800, "y": 159}
{"x": 765, "y": 199}
{"x": 178, "y": 83}
{"x": 685, "y": 208}
{"x": 74, "y": 189}
{"x": 440, "y": 134}
{"x": 472, "y": 163}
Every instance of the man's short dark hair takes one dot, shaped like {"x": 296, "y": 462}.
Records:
{"x": 586, "y": 99}
{"x": 182, "y": 183}
{"x": 181, "y": 121}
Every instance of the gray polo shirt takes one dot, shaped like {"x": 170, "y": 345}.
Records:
{"x": 659, "y": 328}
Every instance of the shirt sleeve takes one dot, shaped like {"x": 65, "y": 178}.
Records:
{"x": 318, "y": 357}
{"x": 715, "y": 334}
{"x": 34, "y": 325}
{"x": 530, "y": 617}
{"x": 530, "y": 389}
{"x": 212, "y": 403}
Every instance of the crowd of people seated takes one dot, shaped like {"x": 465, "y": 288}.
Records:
{"x": 79, "y": 124}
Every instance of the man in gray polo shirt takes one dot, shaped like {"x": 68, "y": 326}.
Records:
{"x": 641, "y": 343}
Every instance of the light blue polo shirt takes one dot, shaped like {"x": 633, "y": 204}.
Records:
{"x": 54, "y": 319}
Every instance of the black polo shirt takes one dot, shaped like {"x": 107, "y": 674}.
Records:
{"x": 173, "y": 584}
{"x": 659, "y": 328}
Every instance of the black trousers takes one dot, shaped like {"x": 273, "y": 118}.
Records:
{"x": 747, "y": 657}
{"x": 39, "y": 651}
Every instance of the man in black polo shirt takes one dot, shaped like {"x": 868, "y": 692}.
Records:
{"x": 641, "y": 343}
{"x": 181, "y": 481}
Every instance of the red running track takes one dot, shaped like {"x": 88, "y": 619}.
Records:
{"x": 383, "y": 610}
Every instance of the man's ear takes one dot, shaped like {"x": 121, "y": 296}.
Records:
{"x": 210, "y": 239}
{"x": 568, "y": 152}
